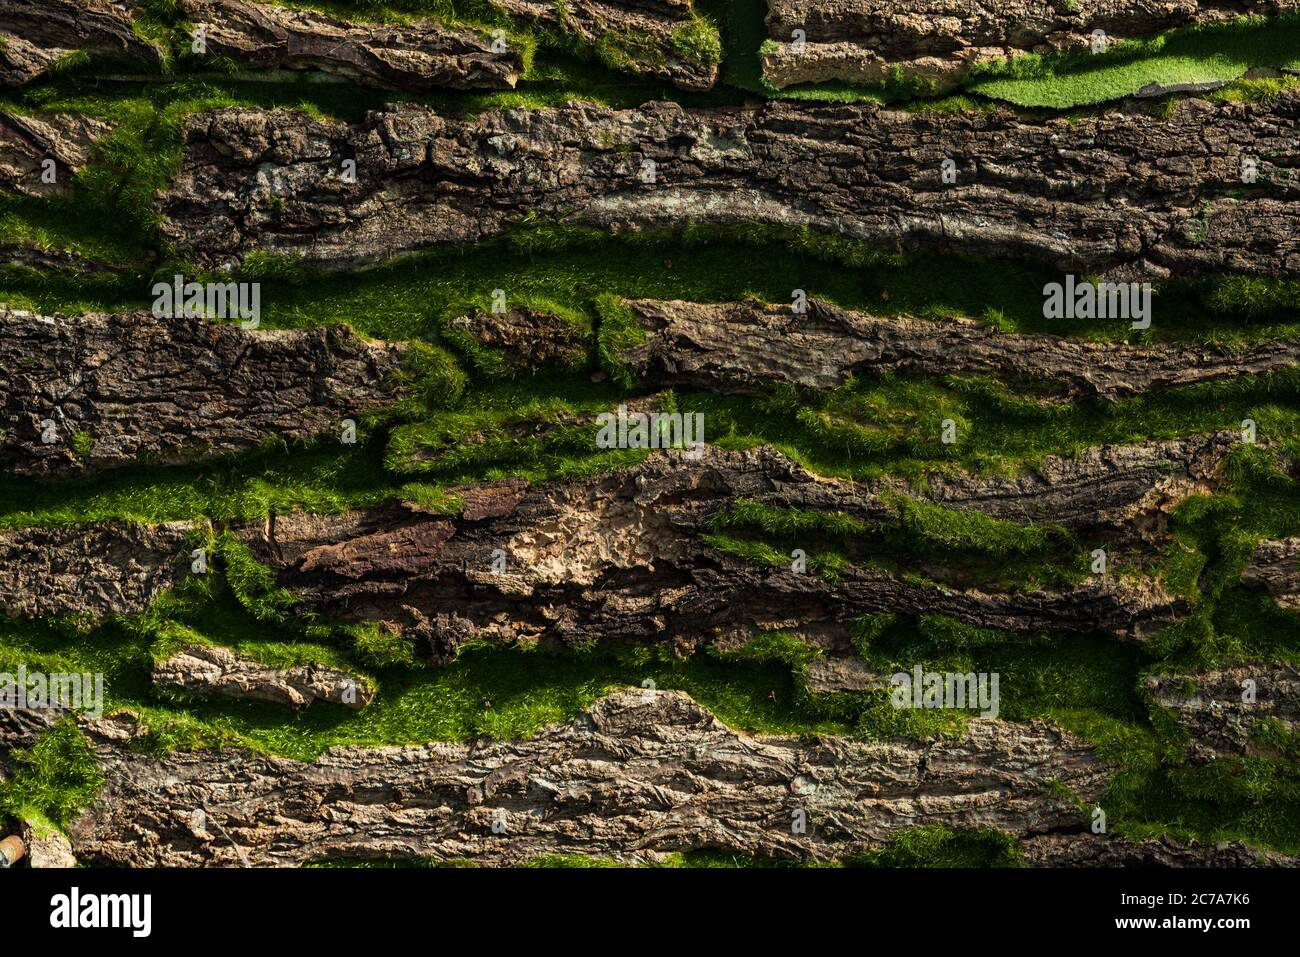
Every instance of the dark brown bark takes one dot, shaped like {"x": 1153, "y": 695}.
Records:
{"x": 643, "y": 30}
{"x": 526, "y": 339}
{"x": 141, "y": 389}
{"x": 1096, "y": 850}
{"x": 1276, "y": 566}
{"x": 1210, "y": 705}
{"x": 1125, "y": 194}
{"x": 37, "y": 34}
{"x": 641, "y": 774}
{"x": 90, "y": 571}
{"x": 419, "y": 56}
{"x": 1128, "y": 487}
{"x": 621, "y": 558}
{"x": 866, "y": 41}
{"x": 746, "y": 347}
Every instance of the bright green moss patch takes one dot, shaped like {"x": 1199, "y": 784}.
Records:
{"x": 1208, "y": 54}
{"x": 53, "y": 780}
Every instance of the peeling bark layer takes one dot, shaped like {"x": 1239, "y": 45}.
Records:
{"x": 210, "y": 669}
{"x": 1210, "y": 705}
{"x": 746, "y": 347}
{"x": 1126, "y": 195}
{"x": 639, "y": 775}
{"x": 645, "y": 32}
{"x": 90, "y": 571}
{"x": 867, "y": 41}
{"x": 621, "y": 558}
{"x": 37, "y": 34}
{"x": 28, "y": 142}
{"x": 415, "y": 57}
{"x": 1096, "y": 850}
{"x": 1276, "y": 566}
{"x": 174, "y": 390}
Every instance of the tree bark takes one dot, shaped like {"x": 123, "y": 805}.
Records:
{"x": 90, "y": 571}
{"x": 415, "y": 57}
{"x": 746, "y": 347}
{"x": 652, "y": 25}
{"x": 27, "y": 142}
{"x": 1210, "y": 705}
{"x": 36, "y": 34}
{"x": 640, "y": 774}
{"x": 1124, "y": 194}
{"x": 868, "y": 41}
{"x": 1276, "y": 566}
{"x": 141, "y": 389}
{"x": 620, "y": 557}
{"x": 211, "y": 669}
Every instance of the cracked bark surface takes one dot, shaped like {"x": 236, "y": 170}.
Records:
{"x": 174, "y": 390}
{"x": 527, "y": 339}
{"x": 416, "y": 57}
{"x": 36, "y": 34}
{"x": 638, "y": 775}
{"x": 1130, "y": 487}
{"x": 621, "y": 558}
{"x": 1209, "y": 705}
{"x": 652, "y": 24}
{"x": 1276, "y": 566}
{"x": 866, "y": 41}
{"x": 26, "y": 142}
{"x": 210, "y": 669}
{"x": 746, "y": 347}
{"x": 90, "y": 571}
{"x": 1096, "y": 850}
{"x": 1124, "y": 194}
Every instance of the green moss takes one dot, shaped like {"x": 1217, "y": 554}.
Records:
{"x": 81, "y": 443}
{"x": 698, "y": 40}
{"x": 618, "y": 332}
{"x": 53, "y": 780}
{"x": 937, "y": 846}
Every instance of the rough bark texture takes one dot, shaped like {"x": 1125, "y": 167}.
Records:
{"x": 25, "y": 254}
{"x": 1129, "y": 487}
{"x": 211, "y": 669}
{"x": 1096, "y": 850}
{"x": 46, "y": 848}
{"x": 174, "y": 390}
{"x": 1209, "y": 705}
{"x": 866, "y": 41}
{"x": 621, "y": 558}
{"x": 1276, "y": 566}
{"x": 419, "y": 56}
{"x": 527, "y": 339}
{"x": 90, "y": 571}
{"x": 1126, "y": 195}
{"x": 27, "y": 142}
{"x": 642, "y": 31}
{"x": 36, "y": 34}
{"x": 746, "y": 347}
{"x": 638, "y": 775}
